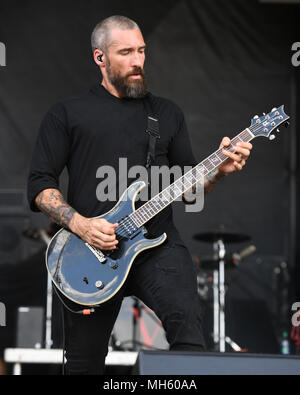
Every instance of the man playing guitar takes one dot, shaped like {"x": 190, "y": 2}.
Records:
{"x": 95, "y": 129}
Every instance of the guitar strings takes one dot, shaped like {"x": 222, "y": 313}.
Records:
{"x": 253, "y": 128}
{"x": 122, "y": 232}
{"x": 160, "y": 195}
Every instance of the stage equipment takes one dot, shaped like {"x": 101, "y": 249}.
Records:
{"x": 193, "y": 363}
{"x": 30, "y": 327}
{"x": 258, "y": 307}
{"x": 232, "y": 260}
{"x": 219, "y": 238}
{"x": 22, "y": 356}
{"x": 137, "y": 327}
{"x": 44, "y": 235}
{"x": 101, "y": 274}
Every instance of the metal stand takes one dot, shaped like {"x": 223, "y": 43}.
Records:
{"x": 219, "y": 238}
{"x": 48, "y": 335}
{"x": 220, "y": 338}
{"x": 137, "y": 311}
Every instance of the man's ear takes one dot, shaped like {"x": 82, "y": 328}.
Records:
{"x": 98, "y": 57}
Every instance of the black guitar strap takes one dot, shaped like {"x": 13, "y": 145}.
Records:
{"x": 152, "y": 130}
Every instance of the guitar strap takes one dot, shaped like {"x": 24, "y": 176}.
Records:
{"x": 152, "y": 130}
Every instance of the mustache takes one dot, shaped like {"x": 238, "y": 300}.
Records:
{"x": 136, "y": 70}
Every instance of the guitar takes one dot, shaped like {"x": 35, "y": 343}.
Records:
{"x": 90, "y": 276}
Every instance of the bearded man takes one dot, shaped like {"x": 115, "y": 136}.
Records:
{"x": 95, "y": 129}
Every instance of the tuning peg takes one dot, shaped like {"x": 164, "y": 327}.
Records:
{"x": 264, "y": 113}
{"x": 274, "y": 109}
{"x": 286, "y": 124}
{"x": 272, "y": 137}
{"x": 255, "y": 117}
{"x": 277, "y": 130}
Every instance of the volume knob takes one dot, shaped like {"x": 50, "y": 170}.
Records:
{"x": 99, "y": 284}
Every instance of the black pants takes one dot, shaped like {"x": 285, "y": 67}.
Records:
{"x": 164, "y": 278}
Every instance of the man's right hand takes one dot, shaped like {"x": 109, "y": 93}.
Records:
{"x": 97, "y": 232}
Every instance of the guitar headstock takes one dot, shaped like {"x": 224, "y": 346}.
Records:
{"x": 264, "y": 125}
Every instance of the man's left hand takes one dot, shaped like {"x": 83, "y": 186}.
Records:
{"x": 237, "y": 160}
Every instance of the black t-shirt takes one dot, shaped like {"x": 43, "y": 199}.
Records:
{"x": 95, "y": 132}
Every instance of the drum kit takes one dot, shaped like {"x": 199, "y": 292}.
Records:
{"x": 218, "y": 263}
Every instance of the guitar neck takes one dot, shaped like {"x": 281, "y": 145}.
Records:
{"x": 168, "y": 195}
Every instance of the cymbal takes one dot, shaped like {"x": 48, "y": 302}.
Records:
{"x": 226, "y": 237}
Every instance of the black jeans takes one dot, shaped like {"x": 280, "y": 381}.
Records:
{"x": 164, "y": 278}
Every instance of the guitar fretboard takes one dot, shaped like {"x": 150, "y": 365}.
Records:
{"x": 160, "y": 201}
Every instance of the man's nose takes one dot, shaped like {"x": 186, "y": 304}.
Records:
{"x": 137, "y": 59}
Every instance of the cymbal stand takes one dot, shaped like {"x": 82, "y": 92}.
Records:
{"x": 219, "y": 296}
{"x": 220, "y": 339}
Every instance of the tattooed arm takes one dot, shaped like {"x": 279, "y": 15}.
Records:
{"x": 212, "y": 179}
{"x": 52, "y": 203}
{"x": 95, "y": 231}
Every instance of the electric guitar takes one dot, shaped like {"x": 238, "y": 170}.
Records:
{"x": 90, "y": 276}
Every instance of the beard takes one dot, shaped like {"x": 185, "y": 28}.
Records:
{"x": 127, "y": 87}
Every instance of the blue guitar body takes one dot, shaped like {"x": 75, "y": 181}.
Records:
{"x": 88, "y": 276}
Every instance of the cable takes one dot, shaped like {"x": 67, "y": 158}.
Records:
{"x": 87, "y": 311}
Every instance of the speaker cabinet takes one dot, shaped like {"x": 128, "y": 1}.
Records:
{"x": 30, "y": 327}
{"x": 193, "y": 363}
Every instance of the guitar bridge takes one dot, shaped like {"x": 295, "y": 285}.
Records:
{"x": 98, "y": 253}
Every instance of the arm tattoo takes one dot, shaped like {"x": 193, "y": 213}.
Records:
{"x": 52, "y": 203}
{"x": 211, "y": 180}
{"x": 211, "y": 177}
